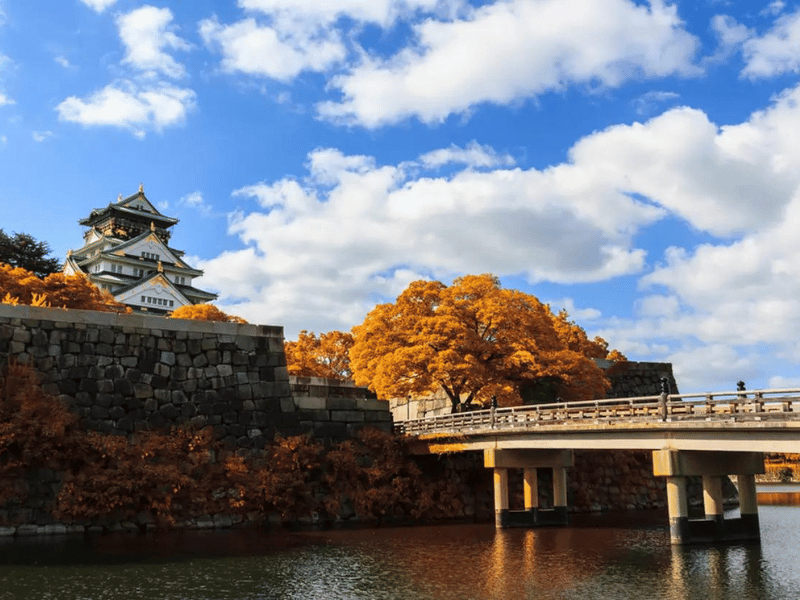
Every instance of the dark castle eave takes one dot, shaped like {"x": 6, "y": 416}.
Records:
{"x": 101, "y": 214}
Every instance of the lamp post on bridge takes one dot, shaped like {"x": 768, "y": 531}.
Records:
{"x": 664, "y": 397}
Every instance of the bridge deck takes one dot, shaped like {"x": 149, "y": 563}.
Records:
{"x": 763, "y": 421}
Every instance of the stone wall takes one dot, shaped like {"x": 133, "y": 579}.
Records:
{"x": 630, "y": 379}
{"x": 121, "y": 373}
{"x": 335, "y": 408}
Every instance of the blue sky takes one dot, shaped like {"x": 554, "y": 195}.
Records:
{"x": 634, "y": 162}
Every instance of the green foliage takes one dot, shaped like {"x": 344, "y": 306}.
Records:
{"x": 22, "y": 250}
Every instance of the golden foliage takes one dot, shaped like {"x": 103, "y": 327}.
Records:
{"x": 36, "y": 431}
{"x": 323, "y": 356}
{"x": 287, "y": 483}
{"x": 474, "y": 340}
{"x": 172, "y": 476}
{"x": 18, "y": 286}
{"x": 204, "y": 312}
{"x": 374, "y": 473}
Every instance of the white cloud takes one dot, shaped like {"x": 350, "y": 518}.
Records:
{"x": 320, "y": 251}
{"x": 379, "y": 12}
{"x": 4, "y": 100}
{"x": 63, "y": 61}
{"x": 511, "y": 50}
{"x": 354, "y": 228}
{"x": 648, "y": 102}
{"x": 658, "y": 306}
{"x": 693, "y": 367}
{"x": 774, "y": 8}
{"x": 146, "y": 33}
{"x": 728, "y": 309}
{"x": 730, "y": 37}
{"x": 196, "y": 201}
{"x": 706, "y": 174}
{"x": 474, "y": 155}
{"x": 579, "y": 315}
{"x": 777, "y": 51}
{"x": 40, "y": 136}
{"x": 270, "y": 52}
{"x": 780, "y": 382}
{"x": 146, "y": 101}
{"x": 128, "y": 106}
{"x": 98, "y": 5}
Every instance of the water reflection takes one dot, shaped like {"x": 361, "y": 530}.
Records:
{"x": 600, "y": 559}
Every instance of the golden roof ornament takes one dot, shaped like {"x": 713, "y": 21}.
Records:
{"x": 119, "y": 198}
{"x": 152, "y": 226}
{"x": 141, "y": 188}
{"x": 160, "y": 268}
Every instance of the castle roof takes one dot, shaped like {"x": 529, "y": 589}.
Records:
{"x": 135, "y": 207}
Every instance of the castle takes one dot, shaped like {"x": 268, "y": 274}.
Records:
{"x": 126, "y": 252}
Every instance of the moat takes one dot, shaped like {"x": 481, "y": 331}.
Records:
{"x": 618, "y": 555}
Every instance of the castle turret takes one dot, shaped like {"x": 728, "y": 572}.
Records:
{"x": 126, "y": 252}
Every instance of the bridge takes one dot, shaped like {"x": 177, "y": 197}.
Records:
{"x": 711, "y": 435}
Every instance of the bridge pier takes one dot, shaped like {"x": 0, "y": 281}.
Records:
{"x": 676, "y": 466}
{"x": 529, "y": 461}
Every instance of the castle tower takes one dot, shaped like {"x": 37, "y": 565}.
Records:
{"x": 125, "y": 251}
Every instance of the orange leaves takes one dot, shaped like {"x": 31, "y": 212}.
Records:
{"x": 286, "y": 483}
{"x": 374, "y": 474}
{"x": 18, "y": 286}
{"x": 204, "y": 312}
{"x": 165, "y": 477}
{"x": 323, "y": 356}
{"x": 474, "y": 340}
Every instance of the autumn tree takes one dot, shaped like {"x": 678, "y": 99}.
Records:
{"x": 323, "y": 356}
{"x": 22, "y": 250}
{"x": 473, "y": 340}
{"x": 20, "y": 286}
{"x": 204, "y": 312}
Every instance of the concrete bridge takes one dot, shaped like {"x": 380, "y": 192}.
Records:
{"x": 709, "y": 435}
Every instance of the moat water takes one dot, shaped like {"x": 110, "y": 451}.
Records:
{"x": 617, "y": 556}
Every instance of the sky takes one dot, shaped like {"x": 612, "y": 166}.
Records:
{"x": 635, "y": 163}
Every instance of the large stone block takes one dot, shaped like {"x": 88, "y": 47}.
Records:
{"x": 341, "y": 404}
{"x": 311, "y": 403}
{"x": 348, "y": 416}
{"x": 331, "y": 430}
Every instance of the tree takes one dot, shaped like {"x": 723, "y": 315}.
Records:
{"x": 473, "y": 340}
{"x": 22, "y": 250}
{"x": 20, "y": 286}
{"x": 323, "y": 356}
{"x": 204, "y": 312}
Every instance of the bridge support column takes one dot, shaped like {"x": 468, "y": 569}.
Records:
{"x": 678, "y": 507}
{"x": 500, "y": 496}
{"x": 529, "y": 461}
{"x": 560, "y": 492}
{"x": 530, "y": 489}
{"x": 748, "y": 503}
{"x": 711, "y": 466}
{"x": 712, "y": 498}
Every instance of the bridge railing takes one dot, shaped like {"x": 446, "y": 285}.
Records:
{"x": 770, "y": 404}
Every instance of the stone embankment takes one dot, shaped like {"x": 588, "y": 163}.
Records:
{"x": 122, "y": 373}
{"x": 125, "y": 373}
